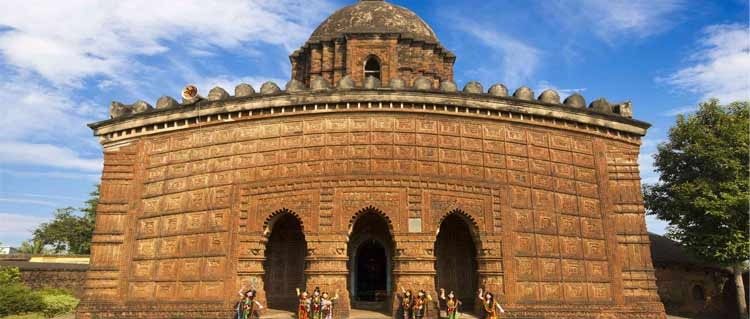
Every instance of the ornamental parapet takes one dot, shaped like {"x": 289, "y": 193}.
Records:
{"x": 140, "y": 118}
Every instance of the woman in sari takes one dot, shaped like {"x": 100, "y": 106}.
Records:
{"x": 420, "y": 305}
{"x": 326, "y": 308}
{"x": 303, "y": 311}
{"x": 451, "y": 304}
{"x": 492, "y": 308}
{"x": 315, "y": 304}
{"x": 248, "y": 307}
{"x": 406, "y": 300}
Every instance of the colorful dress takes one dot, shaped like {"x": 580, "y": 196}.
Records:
{"x": 326, "y": 308}
{"x": 303, "y": 312}
{"x": 452, "y": 310}
{"x": 420, "y": 308}
{"x": 491, "y": 310}
{"x": 404, "y": 310}
{"x": 315, "y": 308}
{"x": 246, "y": 308}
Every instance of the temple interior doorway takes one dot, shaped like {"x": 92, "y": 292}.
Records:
{"x": 370, "y": 267}
{"x": 456, "y": 263}
{"x": 285, "y": 262}
{"x": 370, "y": 261}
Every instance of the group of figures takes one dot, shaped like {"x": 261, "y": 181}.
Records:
{"x": 415, "y": 307}
{"x": 317, "y": 306}
{"x": 320, "y": 305}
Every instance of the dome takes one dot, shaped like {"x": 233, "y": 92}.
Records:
{"x": 374, "y": 16}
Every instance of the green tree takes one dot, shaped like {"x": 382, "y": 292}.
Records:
{"x": 70, "y": 231}
{"x": 703, "y": 189}
{"x": 32, "y": 247}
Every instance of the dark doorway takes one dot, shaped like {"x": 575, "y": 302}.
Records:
{"x": 456, "y": 263}
{"x": 285, "y": 262}
{"x": 370, "y": 261}
{"x": 372, "y": 275}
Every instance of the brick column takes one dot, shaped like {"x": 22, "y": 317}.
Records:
{"x": 250, "y": 270}
{"x": 414, "y": 268}
{"x": 327, "y": 268}
{"x": 490, "y": 268}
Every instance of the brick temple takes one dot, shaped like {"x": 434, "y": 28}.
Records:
{"x": 371, "y": 171}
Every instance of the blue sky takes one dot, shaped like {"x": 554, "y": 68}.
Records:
{"x": 62, "y": 62}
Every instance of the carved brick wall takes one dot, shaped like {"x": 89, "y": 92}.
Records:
{"x": 553, "y": 212}
{"x": 624, "y": 190}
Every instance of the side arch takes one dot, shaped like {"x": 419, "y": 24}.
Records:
{"x": 269, "y": 222}
{"x": 284, "y": 264}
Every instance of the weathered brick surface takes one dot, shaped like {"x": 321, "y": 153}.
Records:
{"x": 556, "y": 213}
{"x": 549, "y": 195}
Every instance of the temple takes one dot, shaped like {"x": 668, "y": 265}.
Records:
{"x": 371, "y": 171}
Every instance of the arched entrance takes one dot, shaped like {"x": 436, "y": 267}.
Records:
{"x": 285, "y": 261}
{"x": 456, "y": 263}
{"x": 370, "y": 260}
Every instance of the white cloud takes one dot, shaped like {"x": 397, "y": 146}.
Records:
{"x": 17, "y": 227}
{"x": 519, "y": 60}
{"x": 614, "y": 19}
{"x": 719, "y": 67}
{"x": 51, "y": 174}
{"x": 647, "y": 169}
{"x": 680, "y": 110}
{"x": 107, "y": 38}
{"x": 32, "y": 110}
{"x": 656, "y": 225}
{"x": 28, "y": 201}
{"x": 46, "y": 155}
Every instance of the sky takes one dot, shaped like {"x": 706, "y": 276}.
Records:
{"x": 63, "y": 62}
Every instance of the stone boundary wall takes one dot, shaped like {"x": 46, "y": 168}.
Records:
{"x": 51, "y": 275}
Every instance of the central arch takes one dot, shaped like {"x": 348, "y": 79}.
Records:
{"x": 456, "y": 262}
{"x": 285, "y": 259}
{"x": 371, "y": 248}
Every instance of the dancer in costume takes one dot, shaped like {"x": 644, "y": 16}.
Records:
{"x": 451, "y": 304}
{"x": 492, "y": 308}
{"x": 326, "y": 309}
{"x": 303, "y": 311}
{"x": 248, "y": 307}
{"x": 420, "y": 305}
{"x": 316, "y": 304}
{"x": 405, "y": 304}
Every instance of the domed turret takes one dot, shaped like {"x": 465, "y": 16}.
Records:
{"x": 373, "y": 38}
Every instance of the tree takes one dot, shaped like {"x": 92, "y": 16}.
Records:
{"x": 33, "y": 247}
{"x": 70, "y": 231}
{"x": 703, "y": 189}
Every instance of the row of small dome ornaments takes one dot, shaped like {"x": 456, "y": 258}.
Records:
{"x": 318, "y": 84}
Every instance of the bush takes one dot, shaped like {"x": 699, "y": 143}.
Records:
{"x": 55, "y": 304}
{"x": 9, "y": 275}
{"x": 15, "y": 298}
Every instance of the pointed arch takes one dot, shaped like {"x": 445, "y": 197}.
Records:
{"x": 457, "y": 248}
{"x": 364, "y": 211}
{"x": 275, "y": 216}
{"x": 470, "y": 221}
{"x": 371, "y": 248}
{"x": 284, "y": 265}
